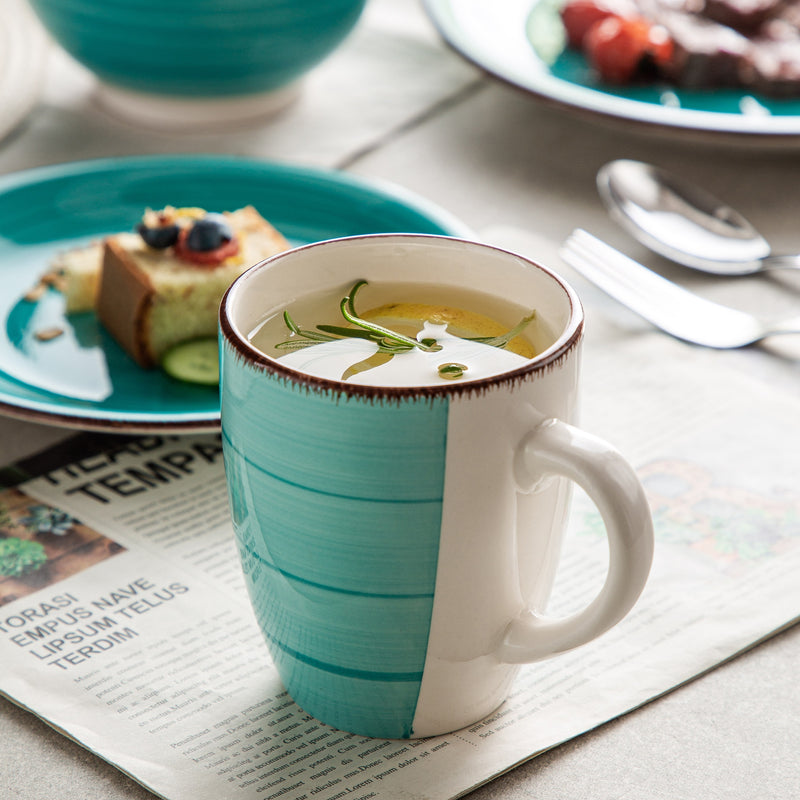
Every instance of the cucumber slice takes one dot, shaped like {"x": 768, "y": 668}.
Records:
{"x": 196, "y": 361}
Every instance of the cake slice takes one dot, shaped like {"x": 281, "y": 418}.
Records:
{"x": 152, "y": 299}
{"x": 74, "y": 273}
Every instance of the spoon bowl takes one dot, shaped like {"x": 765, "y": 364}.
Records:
{"x": 684, "y": 223}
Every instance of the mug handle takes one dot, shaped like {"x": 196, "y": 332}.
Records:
{"x": 555, "y": 447}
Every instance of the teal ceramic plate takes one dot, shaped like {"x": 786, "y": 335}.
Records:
{"x": 521, "y": 43}
{"x": 82, "y": 379}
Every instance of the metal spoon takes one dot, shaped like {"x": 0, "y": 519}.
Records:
{"x": 683, "y": 222}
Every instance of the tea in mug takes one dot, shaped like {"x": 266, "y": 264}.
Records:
{"x": 392, "y": 334}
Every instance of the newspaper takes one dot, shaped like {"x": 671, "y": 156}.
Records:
{"x": 132, "y": 632}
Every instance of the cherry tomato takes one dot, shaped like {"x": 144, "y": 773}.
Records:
{"x": 617, "y": 46}
{"x": 578, "y": 16}
{"x": 661, "y": 47}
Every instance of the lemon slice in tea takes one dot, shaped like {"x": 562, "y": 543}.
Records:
{"x": 409, "y": 318}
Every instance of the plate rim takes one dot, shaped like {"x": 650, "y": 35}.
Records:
{"x": 58, "y": 412}
{"x": 589, "y": 101}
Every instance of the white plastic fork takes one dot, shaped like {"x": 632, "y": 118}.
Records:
{"x": 675, "y": 310}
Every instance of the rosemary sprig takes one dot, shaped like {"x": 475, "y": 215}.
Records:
{"x": 298, "y": 331}
{"x": 305, "y": 338}
{"x": 388, "y": 341}
{"x": 504, "y": 339}
{"x": 385, "y": 336}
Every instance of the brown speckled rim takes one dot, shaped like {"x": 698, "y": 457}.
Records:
{"x": 551, "y": 358}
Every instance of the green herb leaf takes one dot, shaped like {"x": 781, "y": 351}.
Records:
{"x": 375, "y": 360}
{"x": 452, "y": 371}
{"x": 342, "y": 332}
{"x": 504, "y": 339}
{"x": 389, "y": 335}
{"x": 389, "y": 342}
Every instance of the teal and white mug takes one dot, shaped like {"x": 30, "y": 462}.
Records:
{"x": 400, "y": 542}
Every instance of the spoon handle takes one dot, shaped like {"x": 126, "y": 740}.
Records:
{"x": 781, "y": 262}
{"x": 784, "y": 326}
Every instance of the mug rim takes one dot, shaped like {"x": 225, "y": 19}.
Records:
{"x": 549, "y": 358}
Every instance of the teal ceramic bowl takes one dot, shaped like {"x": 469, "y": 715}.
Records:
{"x": 199, "y": 48}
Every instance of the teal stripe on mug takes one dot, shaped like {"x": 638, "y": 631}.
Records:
{"x": 340, "y": 563}
{"x": 342, "y": 543}
{"x": 381, "y": 638}
{"x": 352, "y": 447}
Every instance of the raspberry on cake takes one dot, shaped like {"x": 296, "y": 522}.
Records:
{"x": 163, "y": 285}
